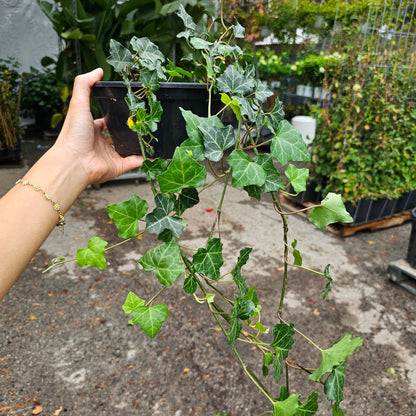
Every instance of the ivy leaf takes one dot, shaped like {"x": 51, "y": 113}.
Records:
{"x": 261, "y": 91}
{"x": 188, "y": 198}
{"x": 328, "y": 286}
{"x": 216, "y": 140}
{"x": 126, "y": 215}
{"x": 236, "y": 272}
{"x": 247, "y": 108}
{"x": 288, "y": 145}
{"x": 297, "y": 177}
{"x": 132, "y": 302}
{"x": 282, "y": 344}
{"x": 234, "y": 330}
{"x": 243, "y": 308}
{"x": 277, "y": 114}
{"x": 190, "y": 284}
{"x": 233, "y": 103}
{"x": 94, "y": 255}
{"x": 182, "y": 172}
{"x": 149, "y": 79}
{"x": 159, "y": 219}
{"x": 296, "y": 254}
{"x": 209, "y": 260}
{"x": 244, "y": 171}
{"x": 150, "y": 318}
{"x": 120, "y": 56}
{"x": 287, "y": 407}
{"x": 194, "y": 144}
{"x": 273, "y": 181}
{"x": 332, "y": 210}
{"x": 166, "y": 260}
{"x": 238, "y": 30}
{"x": 337, "y": 411}
{"x": 334, "y": 384}
{"x": 310, "y": 407}
{"x": 153, "y": 168}
{"x": 335, "y": 355}
{"x": 231, "y": 81}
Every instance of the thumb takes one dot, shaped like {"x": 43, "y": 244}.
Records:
{"x": 82, "y": 88}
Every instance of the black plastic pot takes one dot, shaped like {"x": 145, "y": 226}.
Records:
{"x": 411, "y": 252}
{"x": 171, "y": 131}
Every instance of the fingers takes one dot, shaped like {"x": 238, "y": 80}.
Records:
{"x": 132, "y": 162}
{"x": 82, "y": 88}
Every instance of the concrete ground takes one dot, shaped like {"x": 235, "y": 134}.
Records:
{"x": 66, "y": 347}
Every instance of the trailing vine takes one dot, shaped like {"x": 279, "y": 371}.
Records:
{"x": 246, "y": 160}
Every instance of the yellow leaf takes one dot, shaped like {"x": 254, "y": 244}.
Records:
{"x": 32, "y": 317}
{"x": 37, "y": 410}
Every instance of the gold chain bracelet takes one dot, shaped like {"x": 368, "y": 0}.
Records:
{"x": 56, "y": 207}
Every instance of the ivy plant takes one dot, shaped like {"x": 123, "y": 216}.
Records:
{"x": 238, "y": 157}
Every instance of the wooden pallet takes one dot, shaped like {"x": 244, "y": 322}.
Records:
{"x": 344, "y": 229}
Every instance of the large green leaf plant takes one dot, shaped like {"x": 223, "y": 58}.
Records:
{"x": 238, "y": 158}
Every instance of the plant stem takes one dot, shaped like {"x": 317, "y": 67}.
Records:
{"x": 278, "y": 208}
{"x": 155, "y": 296}
{"x": 227, "y": 176}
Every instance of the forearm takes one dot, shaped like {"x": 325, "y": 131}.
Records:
{"x": 27, "y": 217}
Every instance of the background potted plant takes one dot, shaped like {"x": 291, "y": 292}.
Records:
{"x": 41, "y": 98}
{"x": 236, "y": 159}
{"x": 11, "y": 129}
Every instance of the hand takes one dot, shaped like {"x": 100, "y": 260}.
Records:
{"x": 82, "y": 136}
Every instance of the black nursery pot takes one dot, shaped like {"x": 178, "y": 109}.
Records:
{"x": 171, "y": 131}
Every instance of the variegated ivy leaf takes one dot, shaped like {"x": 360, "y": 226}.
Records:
{"x": 150, "y": 318}
{"x": 287, "y": 407}
{"x": 152, "y": 168}
{"x": 182, "y": 172}
{"x": 159, "y": 219}
{"x": 261, "y": 91}
{"x": 120, "y": 56}
{"x": 94, "y": 255}
{"x": 187, "y": 198}
{"x": 216, "y": 140}
{"x": 277, "y": 114}
{"x": 238, "y": 30}
{"x": 188, "y": 23}
{"x": 273, "y": 181}
{"x": 332, "y": 210}
{"x": 149, "y": 79}
{"x": 335, "y": 355}
{"x": 297, "y": 177}
{"x": 231, "y": 81}
{"x": 165, "y": 260}
{"x": 208, "y": 260}
{"x": 148, "y": 53}
{"x": 282, "y": 344}
{"x": 125, "y": 215}
{"x": 133, "y": 102}
{"x": 288, "y": 145}
{"x": 199, "y": 43}
{"x": 334, "y": 384}
{"x": 244, "y": 171}
{"x": 247, "y": 108}
{"x": 236, "y": 272}
{"x": 194, "y": 144}
{"x": 132, "y": 301}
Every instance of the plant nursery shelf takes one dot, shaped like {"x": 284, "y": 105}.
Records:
{"x": 346, "y": 230}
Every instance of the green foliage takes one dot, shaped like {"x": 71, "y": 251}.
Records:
{"x": 363, "y": 147}
{"x": 40, "y": 94}
{"x": 243, "y": 162}
{"x": 11, "y": 130}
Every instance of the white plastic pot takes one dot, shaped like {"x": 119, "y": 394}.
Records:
{"x": 306, "y": 126}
